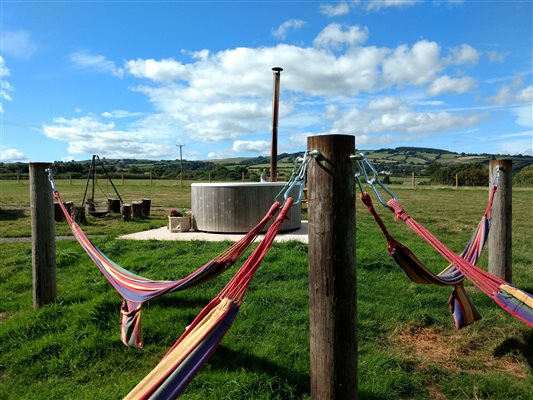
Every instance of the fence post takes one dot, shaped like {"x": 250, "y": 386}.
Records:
{"x": 332, "y": 278}
{"x": 43, "y": 236}
{"x": 500, "y": 236}
{"x": 456, "y": 181}
{"x": 413, "y": 183}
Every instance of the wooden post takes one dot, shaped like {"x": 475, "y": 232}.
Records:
{"x": 332, "y": 279}
{"x": 70, "y": 179}
{"x": 242, "y": 176}
{"x": 413, "y": 183}
{"x": 43, "y": 236}
{"x": 210, "y": 177}
{"x": 456, "y": 181}
{"x": 151, "y": 178}
{"x": 500, "y": 237}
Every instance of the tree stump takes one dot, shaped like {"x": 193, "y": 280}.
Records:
{"x": 125, "y": 214}
{"x": 78, "y": 215}
{"x": 146, "y": 206}
{"x": 137, "y": 209}
{"x": 113, "y": 205}
{"x": 69, "y": 205}
{"x": 58, "y": 213}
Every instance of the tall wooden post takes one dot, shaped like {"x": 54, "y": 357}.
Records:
{"x": 43, "y": 236}
{"x": 332, "y": 279}
{"x": 413, "y": 183}
{"x": 500, "y": 237}
{"x": 456, "y": 181}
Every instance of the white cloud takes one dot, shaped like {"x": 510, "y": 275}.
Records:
{"x": 375, "y": 5}
{"x": 335, "y": 36}
{"x": 10, "y": 155}
{"x": 120, "y": 114}
{"x": 445, "y": 84}
{"x": 291, "y": 24}
{"x": 251, "y": 146}
{"x": 464, "y": 54}
{"x": 521, "y": 146}
{"x": 88, "y": 135}
{"x": 524, "y": 115}
{"x": 18, "y": 44}
{"x": 417, "y": 65}
{"x": 226, "y": 96}
{"x": 331, "y": 10}
{"x": 385, "y": 119}
{"x": 84, "y": 59}
{"x": 165, "y": 70}
{"x": 388, "y": 103}
{"x": 5, "y": 86}
{"x": 513, "y": 93}
{"x": 496, "y": 56}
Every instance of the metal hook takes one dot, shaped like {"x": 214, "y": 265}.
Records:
{"x": 363, "y": 163}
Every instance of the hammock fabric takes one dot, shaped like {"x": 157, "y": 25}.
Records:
{"x": 200, "y": 339}
{"x": 462, "y": 308}
{"x": 515, "y": 301}
{"x": 135, "y": 289}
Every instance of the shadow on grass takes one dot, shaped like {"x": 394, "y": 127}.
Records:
{"x": 11, "y": 215}
{"x": 228, "y": 359}
{"x": 514, "y": 345}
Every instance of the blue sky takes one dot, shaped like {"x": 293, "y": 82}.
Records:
{"x": 131, "y": 79}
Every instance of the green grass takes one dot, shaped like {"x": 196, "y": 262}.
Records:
{"x": 407, "y": 345}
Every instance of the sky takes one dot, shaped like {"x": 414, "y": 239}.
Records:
{"x": 133, "y": 79}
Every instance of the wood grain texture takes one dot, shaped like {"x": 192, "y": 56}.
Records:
{"x": 332, "y": 279}
{"x": 43, "y": 236}
{"x": 500, "y": 235}
{"x": 236, "y": 207}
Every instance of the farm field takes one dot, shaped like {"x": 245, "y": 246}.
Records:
{"x": 408, "y": 347}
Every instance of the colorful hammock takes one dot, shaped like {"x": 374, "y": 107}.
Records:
{"x": 513, "y": 300}
{"x": 462, "y": 308}
{"x": 135, "y": 289}
{"x": 200, "y": 339}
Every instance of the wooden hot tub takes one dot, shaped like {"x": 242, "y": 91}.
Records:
{"x": 236, "y": 207}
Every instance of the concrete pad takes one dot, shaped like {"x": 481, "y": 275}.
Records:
{"x": 165, "y": 234}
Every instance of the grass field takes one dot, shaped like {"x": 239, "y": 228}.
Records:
{"x": 407, "y": 345}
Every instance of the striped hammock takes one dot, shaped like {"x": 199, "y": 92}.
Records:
{"x": 200, "y": 339}
{"x": 513, "y": 300}
{"x": 462, "y": 308}
{"x": 135, "y": 289}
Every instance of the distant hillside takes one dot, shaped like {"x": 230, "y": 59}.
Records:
{"x": 400, "y": 161}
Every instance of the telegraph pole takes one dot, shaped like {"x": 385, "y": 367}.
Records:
{"x": 181, "y": 163}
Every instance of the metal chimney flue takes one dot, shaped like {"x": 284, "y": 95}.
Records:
{"x": 275, "y": 113}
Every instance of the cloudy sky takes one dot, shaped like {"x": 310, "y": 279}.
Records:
{"x": 133, "y": 79}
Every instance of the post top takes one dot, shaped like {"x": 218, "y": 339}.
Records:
{"x": 277, "y": 69}
{"x": 40, "y": 164}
